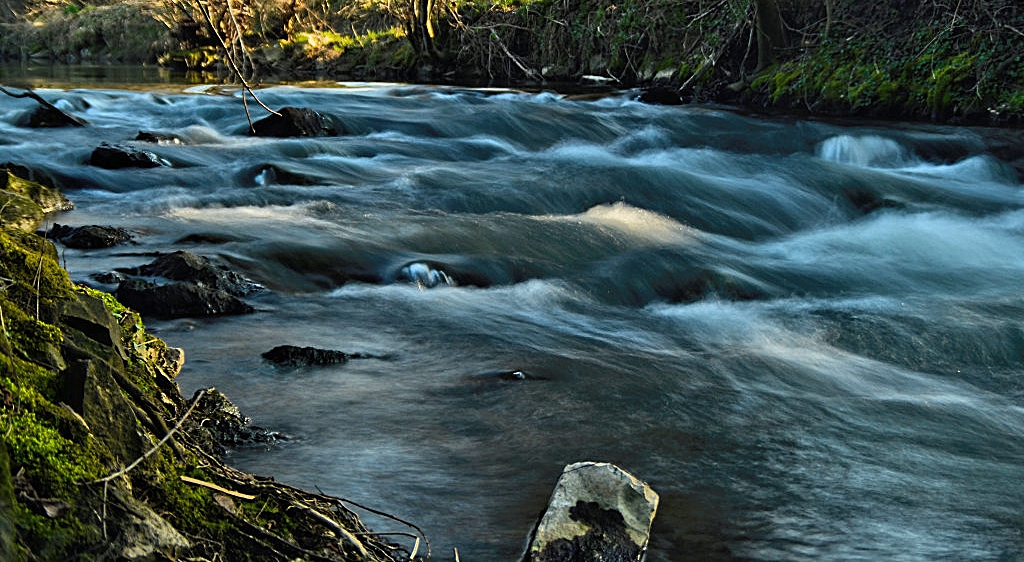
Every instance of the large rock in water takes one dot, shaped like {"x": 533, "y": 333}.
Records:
{"x": 294, "y": 356}
{"x": 178, "y": 300}
{"x": 116, "y": 157}
{"x": 597, "y": 513}
{"x": 89, "y": 237}
{"x": 298, "y": 122}
{"x": 192, "y": 268}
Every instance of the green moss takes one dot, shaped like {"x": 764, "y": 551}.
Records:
{"x": 37, "y": 281}
{"x": 53, "y": 462}
{"x": 61, "y": 538}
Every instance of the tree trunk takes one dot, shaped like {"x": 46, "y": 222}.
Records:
{"x": 771, "y": 34}
{"x": 421, "y": 28}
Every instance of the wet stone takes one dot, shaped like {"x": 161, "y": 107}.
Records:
{"x": 597, "y": 513}
{"x": 294, "y": 356}
{"x": 115, "y": 157}
{"x": 298, "y": 122}
{"x": 89, "y": 237}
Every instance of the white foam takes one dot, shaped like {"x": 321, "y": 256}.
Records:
{"x": 868, "y": 151}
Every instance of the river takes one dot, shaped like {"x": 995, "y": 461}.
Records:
{"x": 808, "y": 336}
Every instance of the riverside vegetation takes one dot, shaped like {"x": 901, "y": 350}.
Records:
{"x": 101, "y": 457}
{"x": 920, "y": 59}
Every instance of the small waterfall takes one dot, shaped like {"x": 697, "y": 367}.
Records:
{"x": 426, "y": 277}
{"x": 868, "y": 151}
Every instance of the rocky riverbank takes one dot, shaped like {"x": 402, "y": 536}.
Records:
{"x": 100, "y": 455}
{"x": 922, "y": 60}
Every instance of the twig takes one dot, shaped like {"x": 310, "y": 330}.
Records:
{"x": 146, "y": 455}
{"x": 235, "y": 69}
{"x": 531, "y": 73}
{"x": 707, "y": 12}
{"x": 415, "y": 546}
{"x": 334, "y": 526}
{"x": 1014, "y": 29}
{"x": 393, "y": 518}
{"x": 38, "y": 281}
{"x": 711, "y": 62}
{"x": 213, "y": 486}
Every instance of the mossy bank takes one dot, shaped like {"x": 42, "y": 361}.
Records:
{"x": 101, "y": 458}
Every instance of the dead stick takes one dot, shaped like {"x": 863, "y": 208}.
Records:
{"x": 213, "y": 486}
{"x": 234, "y": 68}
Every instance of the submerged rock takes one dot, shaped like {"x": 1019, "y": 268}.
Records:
{"x": 89, "y": 237}
{"x": 513, "y": 376}
{"x": 597, "y": 513}
{"x": 200, "y": 270}
{"x": 294, "y": 356}
{"x": 425, "y": 276}
{"x": 298, "y": 122}
{"x": 116, "y": 157}
{"x": 178, "y": 300}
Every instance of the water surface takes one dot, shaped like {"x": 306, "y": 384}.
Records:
{"x": 806, "y": 336}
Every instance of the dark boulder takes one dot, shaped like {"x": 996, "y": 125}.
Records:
{"x": 116, "y": 157}
{"x": 199, "y": 270}
{"x": 294, "y": 356}
{"x": 298, "y": 122}
{"x": 178, "y": 300}
{"x": 89, "y": 237}
{"x": 660, "y": 95}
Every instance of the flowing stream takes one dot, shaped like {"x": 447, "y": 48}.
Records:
{"x": 807, "y": 336}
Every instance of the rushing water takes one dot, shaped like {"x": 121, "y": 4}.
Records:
{"x": 808, "y": 337}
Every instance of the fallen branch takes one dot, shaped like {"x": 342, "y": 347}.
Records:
{"x": 28, "y": 93}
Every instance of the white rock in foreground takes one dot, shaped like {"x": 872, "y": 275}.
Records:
{"x": 597, "y": 512}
